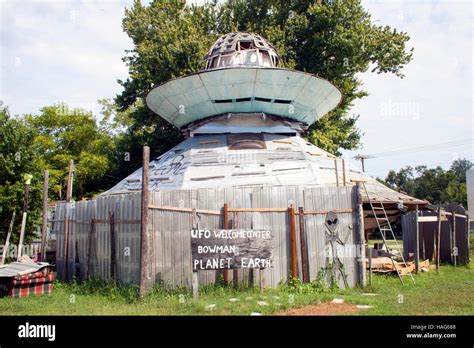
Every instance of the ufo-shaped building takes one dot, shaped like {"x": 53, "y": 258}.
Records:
{"x": 244, "y": 118}
{"x": 244, "y": 164}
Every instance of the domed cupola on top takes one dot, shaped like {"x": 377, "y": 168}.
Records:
{"x": 241, "y": 50}
{"x": 243, "y": 74}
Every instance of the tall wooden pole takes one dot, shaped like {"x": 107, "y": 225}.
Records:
{"x": 291, "y": 213}
{"x": 70, "y": 178}
{"x": 226, "y": 226}
{"x": 304, "y": 247}
{"x": 343, "y": 172}
{"x": 44, "y": 227}
{"x": 113, "y": 252}
{"x": 361, "y": 264}
{"x": 438, "y": 240}
{"x": 417, "y": 241}
{"x": 144, "y": 262}
{"x": 454, "y": 250}
{"x": 7, "y": 241}
{"x": 337, "y": 173}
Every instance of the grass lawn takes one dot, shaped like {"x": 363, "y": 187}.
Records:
{"x": 451, "y": 292}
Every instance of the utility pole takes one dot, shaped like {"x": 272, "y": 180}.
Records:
{"x": 362, "y": 159}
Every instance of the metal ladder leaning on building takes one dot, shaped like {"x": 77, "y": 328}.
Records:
{"x": 377, "y": 206}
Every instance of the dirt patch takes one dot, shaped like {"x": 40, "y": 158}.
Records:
{"x": 326, "y": 308}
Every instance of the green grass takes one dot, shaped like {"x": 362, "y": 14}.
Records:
{"x": 451, "y": 292}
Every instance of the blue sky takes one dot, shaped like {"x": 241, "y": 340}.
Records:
{"x": 71, "y": 51}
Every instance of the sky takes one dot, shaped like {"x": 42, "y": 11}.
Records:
{"x": 71, "y": 51}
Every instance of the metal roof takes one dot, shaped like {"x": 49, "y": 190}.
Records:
{"x": 292, "y": 94}
{"x": 205, "y": 161}
{"x": 18, "y": 268}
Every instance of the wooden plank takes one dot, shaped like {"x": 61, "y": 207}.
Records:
{"x": 291, "y": 213}
{"x": 337, "y": 173}
{"x": 431, "y": 218}
{"x": 226, "y": 226}
{"x": 66, "y": 217}
{"x": 113, "y": 251}
{"x": 304, "y": 248}
{"x": 417, "y": 241}
{"x": 343, "y": 172}
{"x": 324, "y": 212}
{"x": 438, "y": 239}
{"x": 360, "y": 235}
{"x": 214, "y": 249}
{"x": 44, "y": 216}
{"x": 358, "y": 180}
{"x": 7, "y": 240}
{"x": 258, "y": 210}
{"x": 209, "y": 142}
{"x": 144, "y": 242}
{"x": 187, "y": 210}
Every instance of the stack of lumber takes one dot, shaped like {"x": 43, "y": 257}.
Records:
{"x": 385, "y": 265}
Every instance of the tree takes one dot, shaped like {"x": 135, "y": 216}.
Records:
{"x": 460, "y": 167}
{"x": 61, "y": 134}
{"x": 18, "y": 156}
{"x": 333, "y": 39}
{"x": 433, "y": 184}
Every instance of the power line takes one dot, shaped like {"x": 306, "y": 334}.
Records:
{"x": 438, "y": 146}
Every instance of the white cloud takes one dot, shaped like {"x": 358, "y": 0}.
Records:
{"x": 433, "y": 103}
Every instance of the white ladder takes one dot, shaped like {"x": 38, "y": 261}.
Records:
{"x": 384, "y": 221}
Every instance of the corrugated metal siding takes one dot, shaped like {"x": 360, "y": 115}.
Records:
{"x": 171, "y": 231}
{"x": 427, "y": 235}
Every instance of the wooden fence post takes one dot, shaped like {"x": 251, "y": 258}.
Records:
{"x": 337, "y": 173}
{"x": 417, "y": 242}
{"x": 89, "y": 248}
{"x": 226, "y": 226}
{"x": 304, "y": 247}
{"x": 113, "y": 252}
{"x": 438, "y": 240}
{"x": 7, "y": 241}
{"x": 44, "y": 227}
{"x": 360, "y": 235}
{"x": 454, "y": 249}
{"x": 144, "y": 259}
{"x": 291, "y": 213}
{"x": 235, "y": 272}
{"x": 70, "y": 178}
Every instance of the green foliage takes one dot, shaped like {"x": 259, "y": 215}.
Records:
{"x": 333, "y": 39}
{"x": 61, "y": 134}
{"x": 18, "y": 156}
{"x": 435, "y": 184}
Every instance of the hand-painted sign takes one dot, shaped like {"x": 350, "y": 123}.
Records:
{"x": 231, "y": 249}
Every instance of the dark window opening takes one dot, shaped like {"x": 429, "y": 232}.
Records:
{"x": 282, "y": 101}
{"x": 267, "y": 100}
{"x": 220, "y": 101}
{"x": 242, "y": 99}
{"x": 246, "y": 45}
{"x": 246, "y": 141}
